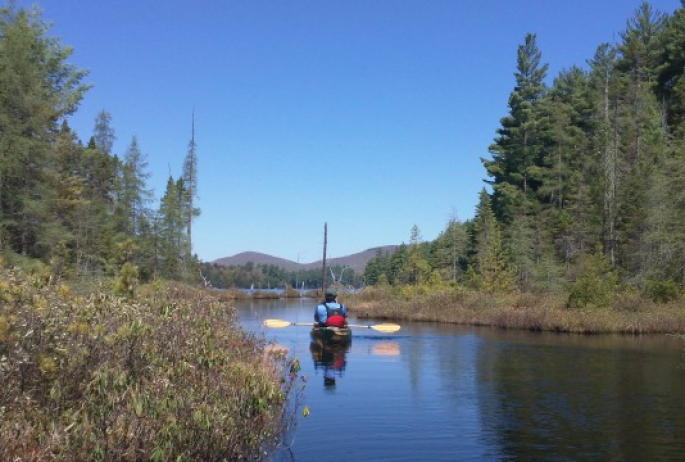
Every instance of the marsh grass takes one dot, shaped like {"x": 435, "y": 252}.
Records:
{"x": 629, "y": 313}
{"x": 90, "y": 376}
{"x": 237, "y": 294}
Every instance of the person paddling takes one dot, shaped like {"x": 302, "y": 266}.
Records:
{"x": 330, "y": 312}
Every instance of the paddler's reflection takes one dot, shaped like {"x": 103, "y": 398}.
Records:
{"x": 329, "y": 358}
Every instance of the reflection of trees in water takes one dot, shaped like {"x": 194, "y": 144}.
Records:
{"x": 455, "y": 356}
{"x": 450, "y": 352}
{"x": 414, "y": 354}
{"x": 573, "y": 401}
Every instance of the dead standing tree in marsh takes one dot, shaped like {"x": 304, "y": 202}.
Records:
{"x": 323, "y": 270}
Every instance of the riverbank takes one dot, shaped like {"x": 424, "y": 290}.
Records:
{"x": 629, "y": 313}
{"x": 90, "y": 375}
{"x": 264, "y": 294}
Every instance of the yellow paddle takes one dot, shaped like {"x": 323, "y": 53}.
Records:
{"x": 385, "y": 327}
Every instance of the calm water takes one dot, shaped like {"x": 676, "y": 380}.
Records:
{"x": 446, "y": 393}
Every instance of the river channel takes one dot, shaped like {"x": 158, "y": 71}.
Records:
{"x": 448, "y": 393}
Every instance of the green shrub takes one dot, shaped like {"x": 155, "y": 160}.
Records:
{"x": 661, "y": 291}
{"x": 596, "y": 285}
{"x": 127, "y": 281}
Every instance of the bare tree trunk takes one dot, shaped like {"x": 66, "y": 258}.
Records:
{"x": 1, "y": 229}
{"x": 610, "y": 176}
{"x": 323, "y": 271}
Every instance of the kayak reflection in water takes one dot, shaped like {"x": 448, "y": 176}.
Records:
{"x": 330, "y": 357}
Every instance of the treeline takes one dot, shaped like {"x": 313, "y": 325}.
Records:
{"x": 586, "y": 176}
{"x": 260, "y": 276}
{"x": 82, "y": 209}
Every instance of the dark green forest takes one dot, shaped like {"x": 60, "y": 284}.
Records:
{"x": 79, "y": 208}
{"x": 261, "y": 276}
{"x": 585, "y": 176}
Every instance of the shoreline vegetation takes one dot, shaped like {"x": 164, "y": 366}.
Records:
{"x": 167, "y": 375}
{"x": 627, "y": 313}
{"x": 587, "y": 309}
{"x": 163, "y": 372}
{"x": 259, "y": 294}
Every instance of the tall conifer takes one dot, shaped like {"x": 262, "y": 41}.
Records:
{"x": 38, "y": 88}
{"x": 516, "y": 150}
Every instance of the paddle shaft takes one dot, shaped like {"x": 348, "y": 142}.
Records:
{"x": 348, "y": 325}
{"x": 279, "y": 323}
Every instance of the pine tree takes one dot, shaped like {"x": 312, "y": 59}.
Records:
{"x": 104, "y": 134}
{"x": 38, "y": 88}
{"x": 567, "y": 171}
{"x": 135, "y": 196}
{"x": 641, "y": 135}
{"x": 516, "y": 150}
{"x": 72, "y": 201}
{"x": 671, "y": 75}
{"x": 378, "y": 266}
{"x": 605, "y": 145}
{"x": 190, "y": 181}
{"x": 448, "y": 252}
{"x": 489, "y": 270}
{"x": 399, "y": 265}
{"x": 417, "y": 269}
{"x": 172, "y": 231}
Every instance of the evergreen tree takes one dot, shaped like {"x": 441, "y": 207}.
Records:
{"x": 38, "y": 88}
{"x": 671, "y": 77}
{"x": 172, "y": 231}
{"x": 517, "y": 148}
{"x": 71, "y": 202}
{"x": 104, "y": 134}
{"x": 672, "y": 242}
{"x": 417, "y": 269}
{"x": 398, "y": 273}
{"x": 567, "y": 171}
{"x": 190, "y": 181}
{"x": 377, "y": 266}
{"x": 641, "y": 135}
{"x": 604, "y": 144}
{"x": 448, "y": 252}
{"x": 517, "y": 158}
{"x": 489, "y": 270}
{"x": 135, "y": 196}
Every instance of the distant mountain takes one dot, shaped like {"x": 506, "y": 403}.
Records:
{"x": 355, "y": 261}
{"x": 258, "y": 259}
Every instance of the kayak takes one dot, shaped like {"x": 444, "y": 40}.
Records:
{"x": 331, "y": 335}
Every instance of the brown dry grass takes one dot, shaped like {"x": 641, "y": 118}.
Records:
{"x": 630, "y": 314}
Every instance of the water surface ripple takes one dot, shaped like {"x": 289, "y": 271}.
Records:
{"x": 448, "y": 393}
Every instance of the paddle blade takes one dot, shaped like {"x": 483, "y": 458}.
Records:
{"x": 386, "y": 327}
{"x": 276, "y": 323}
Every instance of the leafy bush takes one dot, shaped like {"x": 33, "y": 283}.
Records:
{"x": 98, "y": 377}
{"x": 662, "y": 291}
{"x": 596, "y": 285}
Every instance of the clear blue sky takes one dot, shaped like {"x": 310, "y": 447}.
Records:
{"x": 369, "y": 115}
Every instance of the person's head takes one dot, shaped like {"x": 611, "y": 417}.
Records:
{"x": 331, "y": 295}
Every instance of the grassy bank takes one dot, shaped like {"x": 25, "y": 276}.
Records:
{"x": 167, "y": 376}
{"x": 237, "y": 294}
{"x": 629, "y": 313}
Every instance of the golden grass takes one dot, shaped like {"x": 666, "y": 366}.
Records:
{"x": 629, "y": 314}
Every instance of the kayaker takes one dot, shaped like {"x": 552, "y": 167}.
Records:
{"x": 330, "y": 312}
